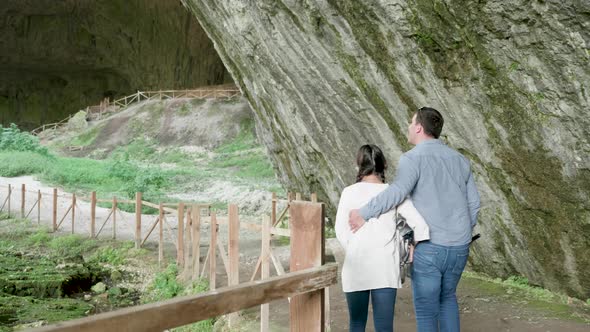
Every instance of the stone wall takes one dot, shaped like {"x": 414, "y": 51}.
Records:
{"x": 511, "y": 78}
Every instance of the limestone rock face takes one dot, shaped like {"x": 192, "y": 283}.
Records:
{"x": 59, "y": 56}
{"x": 511, "y": 78}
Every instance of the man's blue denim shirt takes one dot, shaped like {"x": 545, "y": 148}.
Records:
{"x": 441, "y": 186}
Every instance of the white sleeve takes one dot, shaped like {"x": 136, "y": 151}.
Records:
{"x": 343, "y": 232}
{"x": 415, "y": 220}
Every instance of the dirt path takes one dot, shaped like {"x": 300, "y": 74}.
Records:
{"x": 482, "y": 308}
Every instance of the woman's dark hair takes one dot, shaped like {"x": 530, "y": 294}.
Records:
{"x": 431, "y": 120}
{"x": 370, "y": 160}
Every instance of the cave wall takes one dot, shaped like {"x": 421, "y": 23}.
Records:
{"x": 511, "y": 78}
{"x": 59, "y": 56}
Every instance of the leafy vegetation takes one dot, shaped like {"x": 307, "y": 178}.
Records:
{"x": 12, "y": 139}
{"x": 166, "y": 286}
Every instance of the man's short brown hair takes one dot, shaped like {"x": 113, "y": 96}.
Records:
{"x": 431, "y": 120}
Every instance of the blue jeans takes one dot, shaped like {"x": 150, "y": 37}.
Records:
{"x": 383, "y": 300}
{"x": 436, "y": 272}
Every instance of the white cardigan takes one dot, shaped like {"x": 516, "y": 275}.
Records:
{"x": 370, "y": 260}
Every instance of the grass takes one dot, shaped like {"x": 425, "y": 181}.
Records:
{"x": 87, "y": 137}
{"x": 166, "y": 286}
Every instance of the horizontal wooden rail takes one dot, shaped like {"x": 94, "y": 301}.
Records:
{"x": 181, "y": 311}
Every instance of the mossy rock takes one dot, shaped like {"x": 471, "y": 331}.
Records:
{"x": 41, "y": 277}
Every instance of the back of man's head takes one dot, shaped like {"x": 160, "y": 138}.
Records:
{"x": 431, "y": 120}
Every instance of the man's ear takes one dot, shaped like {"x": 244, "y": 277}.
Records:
{"x": 419, "y": 128}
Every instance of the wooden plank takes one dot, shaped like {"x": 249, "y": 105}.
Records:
{"x": 223, "y": 256}
{"x": 104, "y": 223}
{"x": 314, "y": 197}
{"x": 280, "y": 231}
{"x": 39, "y": 207}
{"x": 277, "y": 264}
{"x": 22, "y": 201}
{"x": 265, "y": 273}
{"x": 256, "y": 269}
{"x": 54, "y": 212}
{"x": 180, "y": 249}
{"x": 151, "y": 230}
{"x": 138, "y": 220}
{"x": 114, "y": 217}
{"x": 234, "y": 245}
{"x": 196, "y": 232}
{"x": 32, "y": 207}
{"x": 64, "y": 217}
{"x": 282, "y": 215}
{"x": 307, "y": 250}
{"x": 159, "y": 316}
{"x": 92, "y": 213}
{"x": 273, "y": 210}
{"x": 188, "y": 270}
{"x": 73, "y": 211}
{"x": 156, "y": 206}
{"x": 161, "y": 237}
{"x": 212, "y": 251}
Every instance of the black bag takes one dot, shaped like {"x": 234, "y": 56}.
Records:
{"x": 404, "y": 236}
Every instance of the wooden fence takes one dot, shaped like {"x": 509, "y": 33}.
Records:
{"x": 97, "y": 112}
{"x": 191, "y": 218}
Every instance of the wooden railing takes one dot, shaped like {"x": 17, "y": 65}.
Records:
{"x": 55, "y": 125}
{"x": 96, "y": 112}
{"x": 169, "y": 94}
{"x": 306, "y": 284}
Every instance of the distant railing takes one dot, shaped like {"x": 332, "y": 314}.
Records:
{"x": 96, "y": 112}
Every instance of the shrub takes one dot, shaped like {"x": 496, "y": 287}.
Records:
{"x": 12, "y": 139}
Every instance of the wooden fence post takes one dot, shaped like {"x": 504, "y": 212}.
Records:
{"x": 327, "y": 317}
{"x": 114, "y": 217}
{"x": 233, "y": 253}
{"x": 196, "y": 237}
{"x": 137, "y": 220}
{"x": 161, "y": 237}
{"x": 307, "y": 250}
{"x": 273, "y": 210}
{"x": 22, "y": 201}
{"x": 54, "y": 209}
{"x": 180, "y": 251}
{"x": 297, "y": 196}
{"x": 265, "y": 273}
{"x": 92, "y": 214}
{"x": 213, "y": 251}
{"x": 73, "y": 211}
{"x": 188, "y": 262}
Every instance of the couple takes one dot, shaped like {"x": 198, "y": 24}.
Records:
{"x": 435, "y": 191}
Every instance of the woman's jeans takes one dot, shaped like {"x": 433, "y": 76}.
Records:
{"x": 436, "y": 272}
{"x": 383, "y": 300}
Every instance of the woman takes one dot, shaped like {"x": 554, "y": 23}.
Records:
{"x": 371, "y": 267}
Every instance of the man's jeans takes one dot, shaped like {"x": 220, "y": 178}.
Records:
{"x": 435, "y": 274}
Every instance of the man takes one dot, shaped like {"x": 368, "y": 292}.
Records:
{"x": 441, "y": 185}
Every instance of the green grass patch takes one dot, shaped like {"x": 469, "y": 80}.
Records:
{"x": 87, "y": 137}
{"x": 166, "y": 286}
{"x": 244, "y": 141}
{"x": 17, "y": 163}
{"x": 249, "y": 166}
